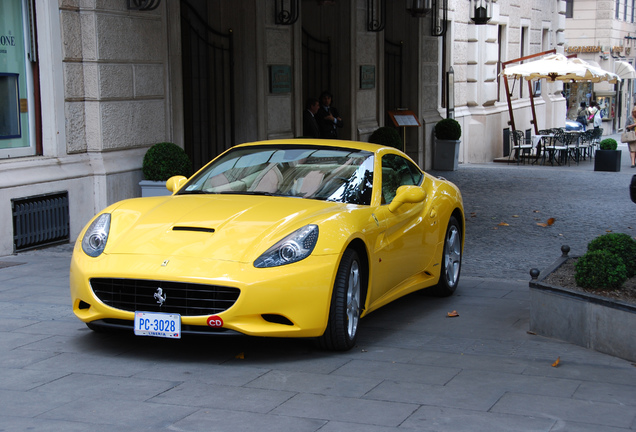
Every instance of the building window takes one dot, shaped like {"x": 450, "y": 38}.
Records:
{"x": 618, "y": 8}
{"x": 500, "y": 57}
{"x": 522, "y": 53}
{"x": 569, "y": 8}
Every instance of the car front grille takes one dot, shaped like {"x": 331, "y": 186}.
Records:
{"x": 186, "y": 299}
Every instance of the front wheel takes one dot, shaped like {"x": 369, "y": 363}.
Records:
{"x": 451, "y": 260}
{"x": 344, "y": 312}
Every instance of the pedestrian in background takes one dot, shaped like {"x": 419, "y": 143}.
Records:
{"x": 328, "y": 118}
{"x": 631, "y": 126}
{"x": 310, "y": 123}
{"x": 595, "y": 115}
{"x": 582, "y": 114}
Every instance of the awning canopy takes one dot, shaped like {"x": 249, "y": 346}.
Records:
{"x": 624, "y": 70}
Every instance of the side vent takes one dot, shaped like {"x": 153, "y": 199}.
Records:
{"x": 40, "y": 220}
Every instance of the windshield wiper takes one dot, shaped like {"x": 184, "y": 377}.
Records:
{"x": 194, "y": 192}
{"x": 260, "y": 193}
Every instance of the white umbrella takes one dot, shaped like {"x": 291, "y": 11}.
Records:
{"x": 558, "y": 67}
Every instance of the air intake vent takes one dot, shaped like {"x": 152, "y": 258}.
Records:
{"x": 40, "y": 220}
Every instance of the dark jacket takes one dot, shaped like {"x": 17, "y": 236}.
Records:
{"x": 328, "y": 129}
{"x": 310, "y": 125}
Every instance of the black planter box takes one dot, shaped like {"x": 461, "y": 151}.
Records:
{"x": 607, "y": 160}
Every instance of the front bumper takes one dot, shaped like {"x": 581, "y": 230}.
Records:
{"x": 286, "y": 301}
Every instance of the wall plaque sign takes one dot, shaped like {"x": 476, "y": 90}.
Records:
{"x": 280, "y": 79}
{"x": 367, "y": 77}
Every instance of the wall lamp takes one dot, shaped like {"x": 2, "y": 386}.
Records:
{"x": 287, "y": 12}
{"x": 143, "y": 5}
{"x": 480, "y": 11}
{"x": 421, "y": 8}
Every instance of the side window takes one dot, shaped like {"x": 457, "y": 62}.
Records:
{"x": 396, "y": 172}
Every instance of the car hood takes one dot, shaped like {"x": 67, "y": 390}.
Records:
{"x": 223, "y": 227}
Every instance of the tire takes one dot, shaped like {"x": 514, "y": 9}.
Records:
{"x": 344, "y": 312}
{"x": 451, "y": 260}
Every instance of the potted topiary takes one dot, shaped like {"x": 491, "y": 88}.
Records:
{"x": 446, "y": 152}
{"x": 162, "y": 161}
{"x": 607, "y": 158}
{"x": 386, "y": 136}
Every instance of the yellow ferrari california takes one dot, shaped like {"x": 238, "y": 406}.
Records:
{"x": 287, "y": 238}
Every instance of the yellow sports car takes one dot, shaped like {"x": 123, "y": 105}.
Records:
{"x": 288, "y": 238}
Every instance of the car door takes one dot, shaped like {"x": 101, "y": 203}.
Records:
{"x": 402, "y": 249}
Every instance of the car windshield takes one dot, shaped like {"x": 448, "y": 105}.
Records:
{"x": 313, "y": 172}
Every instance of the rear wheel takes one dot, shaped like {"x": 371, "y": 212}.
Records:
{"x": 344, "y": 312}
{"x": 451, "y": 260}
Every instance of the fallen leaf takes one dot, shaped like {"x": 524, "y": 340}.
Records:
{"x": 515, "y": 216}
{"x": 503, "y": 224}
{"x": 608, "y": 230}
{"x": 536, "y": 211}
{"x": 240, "y": 356}
{"x": 556, "y": 363}
{"x": 541, "y": 224}
{"x": 551, "y": 221}
{"x": 531, "y": 333}
{"x": 452, "y": 314}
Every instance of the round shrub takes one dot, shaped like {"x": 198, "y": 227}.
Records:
{"x": 164, "y": 160}
{"x": 386, "y": 136}
{"x": 621, "y": 245}
{"x": 608, "y": 144}
{"x": 448, "y": 129}
{"x": 600, "y": 269}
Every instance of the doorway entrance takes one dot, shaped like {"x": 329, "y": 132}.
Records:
{"x": 208, "y": 84}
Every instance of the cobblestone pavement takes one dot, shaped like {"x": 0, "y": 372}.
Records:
{"x": 505, "y": 203}
{"x": 413, "y": 369}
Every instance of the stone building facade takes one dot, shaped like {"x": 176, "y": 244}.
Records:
{"x": 103, "y": 82}
{"x": 603, "y": 33}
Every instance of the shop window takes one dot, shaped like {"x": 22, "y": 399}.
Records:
{"x": 10, "y": 107}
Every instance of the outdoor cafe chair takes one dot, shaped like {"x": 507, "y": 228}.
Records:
{"x": 585, "y": 143}
{"x": 557, "y": 149}
{"x": 519, "y": 146}
{"x": 543, "y": 139}
{"x": 597, "y": 134}
{"x": 573, "y": 141}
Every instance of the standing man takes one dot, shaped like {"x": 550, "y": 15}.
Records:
{"x": 310, "y": 124}
{"x": 328, "y": 118}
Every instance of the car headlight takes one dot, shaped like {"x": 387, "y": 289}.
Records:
{"x": 295, "y": 247}
{"x": 96, "y": 236}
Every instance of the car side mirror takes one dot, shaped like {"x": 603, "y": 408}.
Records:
{"x": 174, "y": 183}
{"x": 407, "y": 195}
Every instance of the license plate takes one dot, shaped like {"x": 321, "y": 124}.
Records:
{"x": 158, "y": 325}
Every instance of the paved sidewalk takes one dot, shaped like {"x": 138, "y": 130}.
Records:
{"x": 413, "y": 369}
